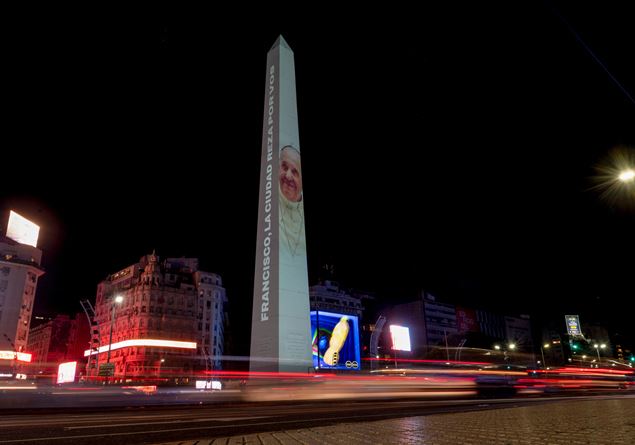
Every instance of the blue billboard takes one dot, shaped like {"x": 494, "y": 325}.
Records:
{"x": 335, "y": 341}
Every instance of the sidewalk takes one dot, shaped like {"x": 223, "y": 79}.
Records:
{"x": 566, "y": 423}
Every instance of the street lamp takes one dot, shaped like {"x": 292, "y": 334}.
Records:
{"x": 117, "y": 300}
{"x": 597, "y": 349}
{"x": 627, "y": 175}
{"x": 511, "y": 347}
{"x": 542, "y": 352}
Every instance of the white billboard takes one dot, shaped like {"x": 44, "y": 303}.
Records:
{"x": 400, "y": 338}
{"x": 66, "y": 372}
{"x": 22, "y": 230}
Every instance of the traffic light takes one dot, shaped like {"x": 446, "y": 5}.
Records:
{"x": 633, "y": 358}
{"x": 575, "y": 346}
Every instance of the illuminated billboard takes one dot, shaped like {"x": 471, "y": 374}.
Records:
{"x": 335, "y": 341}
{"x": 573, "y": 325}
{"x": 143, "y": 342}
{"x": 400, "y": 338}
{"x": 12, "y": 355}
{"x": 22, "y": 230}
{"x": 66, "y": 372}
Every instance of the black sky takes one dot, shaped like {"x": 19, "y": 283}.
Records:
{"x": 447, "y": 148}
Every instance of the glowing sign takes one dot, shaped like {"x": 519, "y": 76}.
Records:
{"x": 66, "y": 372}
{"x": 400, "y": 337}
{"x": 214, "y": 384}
{"x": 23, "y": 357}
{"x": 573, "y": 325}
{"x": 144, "y": 342}
{"x": 7, "y": 355}
{"x": 22, "y": 230}
{"x": 335, "y": 341}
{"x": 12, "y": 355}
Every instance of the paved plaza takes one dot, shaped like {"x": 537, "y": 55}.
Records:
{"x": 569, "y": 422}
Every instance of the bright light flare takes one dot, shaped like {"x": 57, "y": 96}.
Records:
{"x": 627, "y": 175}
{"x": 615, "y": 178}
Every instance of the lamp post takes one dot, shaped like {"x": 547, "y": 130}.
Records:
{"x": 542, "y": 352}
{"x": 117, "y": 300}
{"x": 597, "y": 349}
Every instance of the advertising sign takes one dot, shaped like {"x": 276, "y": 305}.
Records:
{"x": 335, "y": 341}
{"x": 22, "y": 230}
{"x": 400, "y": 338}
{"x": 466, "y": 320}
{"x": 66, "y": 372}
{"x": 573, "y": 325}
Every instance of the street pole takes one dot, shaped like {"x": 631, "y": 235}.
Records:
{"x": 447, "y": 350}
{"x": 112, "y": 325}
{"x": 117, "y": 299}
{"x": 544, "y": 365}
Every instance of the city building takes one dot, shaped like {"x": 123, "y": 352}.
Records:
{"x": 432, "y": 325}
{"x": 161, "y": 319}
{"x": 444, "y": 331}
{"x": 48, "y": 344}
{"x": 518, "y": 332}
{"x": 78, "y": 339}
{"x": 57, "y": 340}
{"x": 329, "y": 296}
{"x": 19, "y": 273}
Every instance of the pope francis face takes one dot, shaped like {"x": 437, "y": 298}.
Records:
{"x": 290, "y": 174}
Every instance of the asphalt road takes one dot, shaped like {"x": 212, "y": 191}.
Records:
{"x": 149, "y": 425}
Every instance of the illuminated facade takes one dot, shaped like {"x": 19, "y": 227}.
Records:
{"x": 169, "y": 323}
{"x": 19, "y": 273}
{"x": 280, "y": 324}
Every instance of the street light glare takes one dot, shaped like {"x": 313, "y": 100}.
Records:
{"x": 118, "y": 299}
{"x": 627, "y": 175}
{"x": 615, "y": 177}
{"x": 546, "y": 345}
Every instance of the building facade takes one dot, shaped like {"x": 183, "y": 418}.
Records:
{"x": 19, "y": 273}
{"x": 328, "y": 296}
{"x": 160, "y": 319}
{"x": 48, "y": 343}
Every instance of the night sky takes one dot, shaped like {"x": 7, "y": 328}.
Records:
{"x": 453, "y": 150}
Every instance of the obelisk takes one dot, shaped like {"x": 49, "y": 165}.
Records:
{"x": 280, "y": 327}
